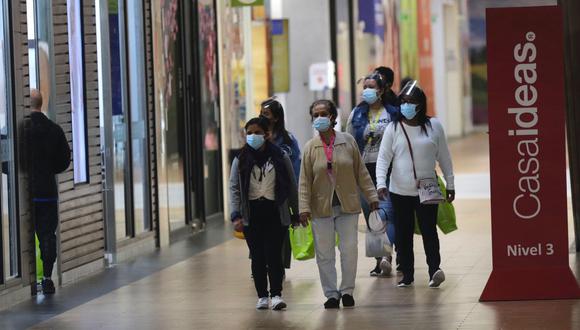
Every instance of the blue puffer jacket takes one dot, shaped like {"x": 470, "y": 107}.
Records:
{"x": 360, "y": 120}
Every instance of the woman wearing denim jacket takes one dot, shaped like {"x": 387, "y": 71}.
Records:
{"x": 263, "y": 203}
{"x": 331, "y": 176}
{"x": 366, "y": 124}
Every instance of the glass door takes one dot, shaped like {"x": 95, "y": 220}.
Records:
{"x": 138, "y": 115}
{"x": 9, "y": 255}
{"x": 128, "y": 120}
{"x": 118, "y": 121}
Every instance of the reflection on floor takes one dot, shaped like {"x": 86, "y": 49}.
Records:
{"x": 213, "y": 289}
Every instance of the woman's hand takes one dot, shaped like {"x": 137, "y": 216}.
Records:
{"x": 374, "y": 206}
{"x": 239, "y": 224}
{"x": 383, "y": 194}
{"x": 450, "y": 196}
{"x": 304, "y": 217}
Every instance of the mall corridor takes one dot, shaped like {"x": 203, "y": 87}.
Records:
{"x": 211, "y": 288}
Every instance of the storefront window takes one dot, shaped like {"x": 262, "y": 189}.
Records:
{"x": 170, "y": 105}
{"x": 210, "y": 106}
{"x": 9, "y": 227}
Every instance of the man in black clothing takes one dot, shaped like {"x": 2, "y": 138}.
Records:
{"x": 49, "y": 155}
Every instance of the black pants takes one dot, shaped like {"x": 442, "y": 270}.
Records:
{"x": 405, "y": 208}
{"x": 45, "y": 224}
{"x": 265, "y": 236}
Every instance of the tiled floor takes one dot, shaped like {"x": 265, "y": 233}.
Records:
{"x": 213, "y": 289}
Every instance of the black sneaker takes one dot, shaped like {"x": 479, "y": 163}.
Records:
{"x": 332, "y": 303}
{"x": 347, "y": 301}
{"x": 377, "y": 270}
{"x": 48, "y": 286}
{"x": 405, "y": 282}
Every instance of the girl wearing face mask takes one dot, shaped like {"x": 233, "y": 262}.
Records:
{"x": 263, "y": 202}
{"x": 428, "y": 146}
{"x": 331, "y": 176}
{"x": 366, "y": 124}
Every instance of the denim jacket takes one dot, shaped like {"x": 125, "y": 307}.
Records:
{"x": 360, "y": 120}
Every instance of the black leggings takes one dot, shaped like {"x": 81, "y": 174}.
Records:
{"x": 405, "y": 209}
{"x": 265, "y": 236}
{"x": 45, "y": 224}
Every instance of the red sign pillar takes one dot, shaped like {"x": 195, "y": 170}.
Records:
{"x": 528, "y": 156}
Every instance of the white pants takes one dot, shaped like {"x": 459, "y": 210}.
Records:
{"x": 324, "y": 230}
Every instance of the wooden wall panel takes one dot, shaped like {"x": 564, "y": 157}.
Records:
{"x": 80, "y": 205}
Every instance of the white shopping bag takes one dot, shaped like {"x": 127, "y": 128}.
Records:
{"x": 377, "y": 245}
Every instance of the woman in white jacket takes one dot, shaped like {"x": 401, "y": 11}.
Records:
{"x": 429, "y": 145}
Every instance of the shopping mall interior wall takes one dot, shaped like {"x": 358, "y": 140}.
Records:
{"x": 309, "y": 22}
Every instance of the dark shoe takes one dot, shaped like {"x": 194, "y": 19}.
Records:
{"x": 347, "y": 301}
{"x": 332, "y": 303}
{"x": 377, "y": 270}
{"x": 48, "y": 286}
{"x": 406, "y": 282}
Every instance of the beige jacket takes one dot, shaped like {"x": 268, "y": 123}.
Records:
{"x": 315, "y": 187}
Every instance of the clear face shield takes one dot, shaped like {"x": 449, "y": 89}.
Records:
{"x": 410, "y": 90}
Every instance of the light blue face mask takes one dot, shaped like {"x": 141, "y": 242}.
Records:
{"x": 409, "y": 110}
{"x": 321, "y": 124}
{"x": 370, "y": 95}
{"x": 255, "y": 140}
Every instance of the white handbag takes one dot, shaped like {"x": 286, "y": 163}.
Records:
{"x": 429, "y": 191}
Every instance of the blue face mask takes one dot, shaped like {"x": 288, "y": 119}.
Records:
{"x": 409, "y": 110}
{"x": 370, "y": 95}
{"x": 321, "y": 124}
{"x": 255, "y": 140}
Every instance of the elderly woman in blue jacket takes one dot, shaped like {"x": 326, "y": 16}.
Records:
{"x": 366, "y": 124}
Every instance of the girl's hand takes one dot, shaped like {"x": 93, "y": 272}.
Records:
{"x": 239, "y": 225}
{"x": 374, "y": 206}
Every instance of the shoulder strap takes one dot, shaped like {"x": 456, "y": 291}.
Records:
{"x": 410, "y": 149}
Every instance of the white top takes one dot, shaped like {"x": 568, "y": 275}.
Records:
{"x": 373, "y": 140}
{"x": 263, "y": 182}
{"x": 426, "y": 149}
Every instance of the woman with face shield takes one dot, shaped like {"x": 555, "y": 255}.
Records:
{"x": 414, "y": 144}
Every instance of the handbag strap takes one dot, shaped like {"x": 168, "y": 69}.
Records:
{"x": 410, "y": 149}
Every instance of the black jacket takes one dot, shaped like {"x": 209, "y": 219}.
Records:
{"x": 49, "y": 155}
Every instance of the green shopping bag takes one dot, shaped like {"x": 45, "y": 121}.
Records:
{"x": 446, "y": 219}
{"x": 39, "y": 270}
{"x": 302, "y": 242}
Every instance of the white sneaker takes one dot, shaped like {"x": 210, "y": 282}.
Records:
{"x": 386, "y": 267}
{"x": 278, "y": 303}
{"x": 437, "y": 279}
{"x": 263, "y": 303}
